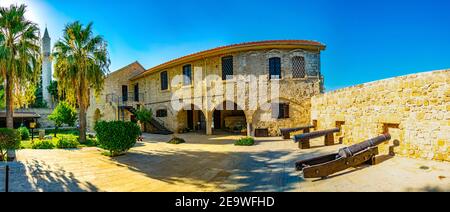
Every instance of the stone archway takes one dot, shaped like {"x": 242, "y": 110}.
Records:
{"x": 191, "y": 118}
{"x": 229, "y": 117}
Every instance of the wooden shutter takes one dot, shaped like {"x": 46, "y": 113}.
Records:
{"x": 286, "y": 111}
{"x": 136, "y": 92}
{"x": 275, "y": 68}
{"x": 164, "y": 81}
{"x": 124, "y": 93}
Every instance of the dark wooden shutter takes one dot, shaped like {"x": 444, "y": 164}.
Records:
{"x": 286, "y": 111}
{"x": 275, "y": 68}
{"x": 136, "y": 92}
{"x": 164, "y": 81}
{"x": 124, "y": 93}
{"x": 227, "y": 67}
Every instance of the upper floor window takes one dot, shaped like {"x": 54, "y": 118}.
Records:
{"x": 187, "y": 75}
{"x": 164, "y": 81}
{"x": 124, "y": 93}
{"x": 136, "y": 92}
{"x": 280, "y": 110}
{"x": 298, "y": 67}
{"x": 227, "y": 67}
{"x": 275, "y": 68}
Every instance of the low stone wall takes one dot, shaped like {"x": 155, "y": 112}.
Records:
{"x": 415, "y": 109}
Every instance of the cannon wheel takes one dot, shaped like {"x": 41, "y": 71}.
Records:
{"x": 326, "y": 169}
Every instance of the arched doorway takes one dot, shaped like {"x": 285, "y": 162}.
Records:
{"x": 191, "y": 118}
{"x": 229, "y": 117}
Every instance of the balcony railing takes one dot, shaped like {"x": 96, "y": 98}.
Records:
{"x": 128, "y": 100}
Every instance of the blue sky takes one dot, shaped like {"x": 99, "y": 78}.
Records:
{"x": 366, "y": 40}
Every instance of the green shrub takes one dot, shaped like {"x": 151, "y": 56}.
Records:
{"x": 9, "y": 140}
{"x": 71, "y": 131}
{"x": 117, "y": 137}
{"x": 67, "y": 142}
{"x": 247, "y": 141}
{"x": 176, "y": 140}
{"x": 24, "y": 133}
{"x": 64, "y": 113}
{"x": 44, "y": 144}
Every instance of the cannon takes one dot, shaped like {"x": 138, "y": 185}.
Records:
{"x": 304, "y": 139}
{"x": 286, "y": 132}
{"x": 324, "y": 166}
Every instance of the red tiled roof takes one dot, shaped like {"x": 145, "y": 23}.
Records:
{"x": 235, "y": 47}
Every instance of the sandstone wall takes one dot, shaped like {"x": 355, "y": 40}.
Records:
{"x": 415, "y": 109}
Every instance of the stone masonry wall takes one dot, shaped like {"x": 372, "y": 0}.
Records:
{"x": 415, "y": 109}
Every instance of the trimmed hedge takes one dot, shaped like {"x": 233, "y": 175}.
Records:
{"x": 44, "y": 144}
{"x": 67, "y": 142}
{"x": 117, "y": 136}
{"x": 9, "y": 140}
{"x": 247, "y": 141}
{"x": 24, "y": 133}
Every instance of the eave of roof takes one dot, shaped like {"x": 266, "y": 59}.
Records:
{"x": 281, "y": 44}
{"x": 125, "y": 68}
{"x": 21, "y": 115}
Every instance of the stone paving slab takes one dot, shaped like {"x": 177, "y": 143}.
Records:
{"x": 211, "y": 163}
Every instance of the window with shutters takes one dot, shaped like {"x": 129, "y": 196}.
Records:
{"x": 298, "y": 67}
{"x": 161, "y": 113}
{"x": 227, "y": 68}
{"x": 187, "y": 75}
{"x": 136, "y": 92}
{"x": 280, "y": 111}
{"x": 164, "y": 81}
{"x": 124, "y": 93}
{"x": 275, "y": 68}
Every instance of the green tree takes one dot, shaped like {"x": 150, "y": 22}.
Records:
{"x": 64, "y": 113}
{"x": 144, "y": 116}
{"x": 53, "y": 90}
{"x": 20, "y": 57}
{"x": 81, "y": 64}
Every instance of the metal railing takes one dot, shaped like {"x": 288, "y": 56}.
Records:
{"x": 7, "y": 179}
{"x": 130, "y": 100}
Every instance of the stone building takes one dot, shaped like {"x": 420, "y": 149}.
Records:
{"x": 414, "y": 109}
{"x": 293, "y": 65}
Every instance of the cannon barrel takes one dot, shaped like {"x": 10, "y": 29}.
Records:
{"x": 286, "y": 130}
{"x": 315, "y": 134}
{"x": 355, "y": 149}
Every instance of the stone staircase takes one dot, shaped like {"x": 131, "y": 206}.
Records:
{"x": 160, "y": 128}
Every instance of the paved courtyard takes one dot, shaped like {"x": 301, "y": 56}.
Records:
{"x": 211, "y": 163}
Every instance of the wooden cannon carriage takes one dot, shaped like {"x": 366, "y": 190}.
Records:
{"x": 286, "y": 132}
{"x": 304, "y": 139}
{"x": 324, "y": 166}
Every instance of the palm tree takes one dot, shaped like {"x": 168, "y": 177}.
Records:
{"x": 20, "y": 56}
{"x": 81, "y": 64}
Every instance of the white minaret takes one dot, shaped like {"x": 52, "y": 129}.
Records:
{"x": 46, "y": 68}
